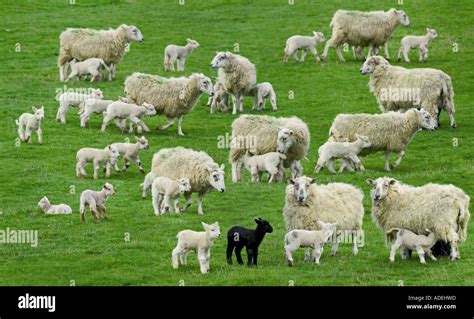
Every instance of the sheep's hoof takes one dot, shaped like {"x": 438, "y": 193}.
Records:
{"x": 453, "y": 126}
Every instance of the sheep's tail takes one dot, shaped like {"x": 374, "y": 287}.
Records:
{"x": 391, "y": 234}
{"x": 463, "y": 219}
{"x": 448, "y": 95}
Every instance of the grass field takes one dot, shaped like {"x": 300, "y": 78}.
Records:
{"x": 99, "y": 253}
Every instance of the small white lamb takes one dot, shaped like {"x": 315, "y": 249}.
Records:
{"x": 121, "y": 112}
{"x": 178, "y": 53}
{"x": 408, "y": 240}
{"x": 303, "y": 43}
{"x": 95, "y": 200}
{"x": 92, "y": 66}
{"x": 107, "y": 156}
{"x": 420, "y": 42}
{"x": 91, "y": 106}
{"x": 200, "y": 242}
{"x": 147, "y": 182}
{"x": 130, "y": 151}
{"x": 48, "y": 208}
{"x": 310, "y": 239}
{"x": 68, "y": 99}
{"x": 28, "y": 122}
{"x": 271, "y": 162}
{"x": 263, "y": 91}
{"x": 164, "y": 189}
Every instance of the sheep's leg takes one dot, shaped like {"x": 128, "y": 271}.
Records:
{"x": 386, "y": 51}
{"x": 255, "y": 102}
{"x": 229, "y": 251}
{"x": 181, "y": 63}
{"x": 184, "y": 257}
{"x": 317, "y": 251}
{"x": 156, "y": 199}
{"x": 250, "y": 256}
{"x": 240, "y": 103}
{"x": 303, "y": 54}
{"x": 168, "y": 124}
{"x": 339, "y": 54}
{"x": 289, "y": 249}
{"x": 105, "y": 123}
{"x": 93, "y": 208}
{"x": 234, "y": 172}
{"x": 387, "y": 161}
{"x": 107, "y": 170}
{"x": 315, "y": 54}
{"x": 421, "y": 254}
{"x": 71, "y": 76}
{"x": 61, "y": 115}
{"x": 400, "y": 52}
{"x": 405, "y": 253}
{"x": 334, "y": 247}
{"x": 21, "y": 133}
{"x": 82, "y": 169}
{"x": 454, "y": 249}
{"x": 396, "y": 245}
{"x": 175, "y": 256}
{"x": 202, "y": 260}
{"x": 399, "y": 159}
{"x": 180, "y": 130}
{"x": 176, "y": 204}
{"x": 139, "y": 164}
{"x": 167, "y": 204}
{"x": 422, "y": 54}
{"x": 238, "y": 255}
{"x": 78, "y": 169}
{"x": 200, "y": 196}
{"x": 96, "y": 169}
{"x": 358, "y": 164}
{"x": 61, "y": 73}
{"x": 406, "y": 50}
{"x": 112, "y": 72}
{"x": 430, "y": 254}
{"x": 331, "y": 166}
{"x": 307, "y": 254}
{"x": 28, "y": 134}
{"x": 355, "y": 249}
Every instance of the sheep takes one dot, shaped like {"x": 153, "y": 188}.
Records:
{"x": 95, "y": 200}
{"x": 147, "y": 182}
{"x": 237, "y": 75}
{"x": 262, "y": 91}
{"x": 164, "y": 189}
{"x": 28, "y": 122}
{"x": 262, "y": 134}
{"x": 271, "y": 162}
{"x": 220, "y": 98}
{"x": 122, "y": 111}
{"x": 407, "y": 239}
{"x": 204, "y": 174}
{"x": 417, "y": 42}
{"x": 387, "y": 132}
{"x": 307, "y": 203}
{"x": 330, "y": 151}
{"x": 397, "y": 88}
{"x": 92, "y": 66}
{"x": 309, "y": 239}
{"x": 108, "y": 45}
{"x": 444, "y": 209}
{"x": 178, "y": 54}
{"x": 365, "y": 29}
{"x": 303, "y": 43}
{"x": 130, "y": 152}
{"x": 239, "y": 237}
{"x": 93, "y": 106}
{"x": 107, "y": 156}
{"x": 200, "y": 242}
{"x": 172, "y": 97}
{"x": 68, "y": 99}
{"x": 50, "y": 209}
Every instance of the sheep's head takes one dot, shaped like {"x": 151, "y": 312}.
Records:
{"x": 330, "y": 228}
{"x": 220, "y": 60}
{"x": 43, "y": 202}
{"x": 205, "y": 84}
{"x": 284, "y": 140}
{"x": 39, "y": 113}
{"x": 263, "y": 225}
{"x": 184, "y": 185}
{"x": 213, "y": 230}
{"x": 432, "y": 33}
{"x": 216, "y": 178}
{"x": 319, "y": 36}
{"x": 142, "y": 142}
{"x": 109, "y": 189}
{"x": 301, "y": 188}
{"x": 192, "y": 43}
{"x": 426, "y": 120}
{"x": 365, "y": 140}
{"x": 134, "y": 34}
{"x": 96, "y": 94}
{"x": 381, "y": 187}
{"x": 113, "y": 153}
{"x": 403, "y": 18}
{"x": 149, "y": 109}
{"x": 370, "y": 64}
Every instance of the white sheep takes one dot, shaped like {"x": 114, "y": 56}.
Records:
{"x": 178, "y": 54}
{"x": 421, "y": 42}
{"x": 147, "y": 182}
{"x": 121, "y": 112}
{"x": 68, "y": 99}
{"x": 408, "y": 240}
{"x": 271, "y": 162}
{"x": 27, "y": 123}
{"x": 237, "y": 75}
{"x": 262, "y": 91}
{"x": 107, "y": 157}
{"x": 92, "y": 66}
{"x": 91, "y": 106}
{"x": 50, "y": 209}
{"x": 303, "y": 43}
{"x": 444, "y": 209}
{"x": 164, "y": 189}
{"x": 200, "y": 242}
{"x": 172, "y": 97}
{"x": 397, "y": 88}
{"x": 95, "y": 200}
{"x": 314, "y": 239}
{"x": 365, "y": 29}
{"x": 131, "y": 151}
{"x": 220, "y": 98}
{"x": 108, "y": 45}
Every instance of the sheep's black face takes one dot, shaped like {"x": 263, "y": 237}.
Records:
{"x": 264, "y": 226}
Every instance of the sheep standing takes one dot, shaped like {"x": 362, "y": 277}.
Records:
{"x": 444, "y": 209}
{"x": 91, "y": 106}
{"x": 30, "y": 122}
{"x": 68, "y": 99}
{"x": 409, "y": 240}
{"x": 365, "y": 29}
{"x": 147, "y": 182}
{"x": 417, "y": 42}
{"x": 237, "y": 75}
{"x": 397, "y": 88}
{"x": 262, "y": 92}
{"x": 303, "y": 43}
{"x": 92, "y": 66}
{"x": 95, "y": 200}
{"x": 107, "y": 157}
{"x": 220, "y": 98}
{"x": 270, "y": 162}
{"x": 178, "y": 54}
{"x": 131, "y": 151}
{"x": 164, "y": 189}
{"x": 108, "y": 45}
{"x": 50, "y": 209}
{"x": 173, "y": 97}
{"x": 122, "y": 111}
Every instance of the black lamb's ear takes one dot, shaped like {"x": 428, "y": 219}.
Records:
{"x": 258, "y": 220}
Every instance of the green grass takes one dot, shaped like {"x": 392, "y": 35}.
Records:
{"x": 96, "y": 253}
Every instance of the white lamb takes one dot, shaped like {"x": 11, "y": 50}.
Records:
{"x": 50, "y": 209}
{"x": 303, "y": 43}
{"x": 121, "y": 112}
{"x": 147, "y": 182}
{"x": 164, "y": 189}
{"x": 220, "y": 98}
{"x": 95, "y": 200}
{"x": 28, "y": 122}
{"x": 92, "y": 66}
{"x": 262, "y": 92}
{"x": 407, "y": 239}
{"x": 417, "y": 42}
{"x": 178, "y": 54}
{"x": 91, "y": 106}
{"x": 131, "y": 151}
{"x": 68, "y": 99}
{"x": 258, "y": 164}
{"x": 107, "y": 156}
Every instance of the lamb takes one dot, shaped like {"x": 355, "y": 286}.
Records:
{"x": 108, "y": 45}
{"x": 239, "y": 237}
{"x": 128, "y": 111}
{"x": 130, "y": 152}
{"x": 91, "y": 106}
{"x": 173, "y": 97}
{"x": 200, "y": 242}
{"x": 220, "y": 98}
{"x": 387, "y": 132}
{"x": 107, "y": 157}
{"x": 365, "y": 29}
{"x": 164, "y": 189}
{"x": 269, "y": 162}
{"x": 237, "y": 75}
{"x": 262, "y": 134}
{"x": 397, "y": 88}
{"x": 303, "y": 43}
{"x": 262, "y": 92}
{"x": 309, "y": 239}
{"x": 95, "y": 201}
{"x": 28, "y": 122}
{"x": 417, "y": 42}
{"x": 92, "y": 66}
{"x": 178, "y": 53}
{"x": 68, "y": 99}
{"x": 204, "y": 174}
{"x": 50, "y": 209}
{"x": 444, "y": 209}
{"x": 330, "y": 151}
{"x": 147, "y": 182}
{"x": 307, "y": 203}
{"x": 407, "y": 239}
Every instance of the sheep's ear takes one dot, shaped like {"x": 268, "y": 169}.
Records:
{"x": 370, "y": 182}
{"x": 222, "y": 167}
{"x": 109, "y": 147}
{"x": 42, "y": 107}
{"x": 291, "y": 181}
{"x": 320, "y": 223}
{"x": 313, "y": 181}
{"x": 34, "y": 109}
{"x": 188, "y": 40}
{"x": 291, "y": 132}
{"x": 206, "y": 226}
{"x": 137, "y": 138}
{"x": 209, "y": 169}
{"x": 428, "y": 30}
{"x": 258, "y": 220}
{"x": 392, "y": 181}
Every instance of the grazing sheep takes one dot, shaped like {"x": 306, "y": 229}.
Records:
{"x": 388, "y": 132}
{"x": 178, "y": 54}
{"x": 397, "y": 88}
{"x": 307, "y": 203}
{"x": 408, "y": 240}
{"x": 262, "y": 134}
{"x": 95, "y": 200}
{"x": 303, "y": 43}
{"x": 28, "y": 122}
{"x": 269, "y": 162}
{"x": 204, "y": 174}
{"x": 365, "y": 29}
{"x": 128, "y": 111}
{"x": 92, "y": 66}
{"x": 173, "y": 97}
{"x": 68, "y": 99}
{"x": 107, "y": 157}
{"x": 147, "y": 182}
{"x": 164, "y": 189}
{"x": 50, "y": 209}
{"x": 200, "y": 242}
{"x": 239, "y": 237}
{"x": 90, "y": 106}
{"x": 220, "y": 98}
{"x": 309, "y": 239}
{"x": 444, "y": 209}
{"x": 108, "y": 45}
{"x": 130, "y": 152}
{"x": 237, "y": 75}
{"x": 421, "y": 42}
{"x": 262, "y": 92}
